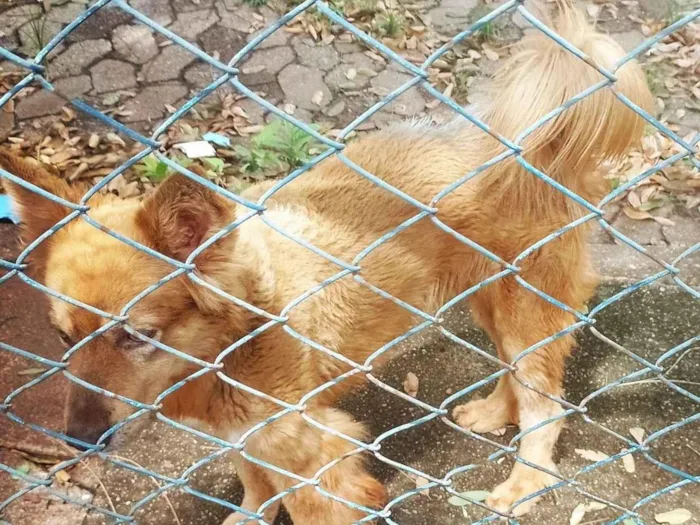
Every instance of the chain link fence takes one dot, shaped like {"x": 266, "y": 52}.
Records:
{"x": 228, "y": 75}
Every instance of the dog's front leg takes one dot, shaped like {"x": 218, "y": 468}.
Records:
{"x": 310, "y": 453}
{"x": 518, "y": 321}
{"x": 257, "y": 490}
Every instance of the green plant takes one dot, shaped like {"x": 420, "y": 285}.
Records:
{"x": 390, "y": 24}
{"x": 488, "y": 31}
{"x": 654, "y": 79}
{"x": 156, "y": 170}
{"x": 39, "y": 29}
{"x": 676, "y": 9}
{"x": 461, "y": 89}
{"x": 278, "y": 143}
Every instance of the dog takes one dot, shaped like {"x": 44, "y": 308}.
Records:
{"x": 504, "y": 209}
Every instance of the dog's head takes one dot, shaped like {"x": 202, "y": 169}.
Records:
{"x": 91, "y": 266}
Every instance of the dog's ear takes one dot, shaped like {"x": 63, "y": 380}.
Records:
{"x": 37, "y": 213}
{"x": 181, "y": 214}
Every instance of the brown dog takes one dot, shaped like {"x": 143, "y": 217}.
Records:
{"x": 505, "y": 209}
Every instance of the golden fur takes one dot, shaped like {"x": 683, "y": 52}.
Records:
{"x": 505, "y": 209}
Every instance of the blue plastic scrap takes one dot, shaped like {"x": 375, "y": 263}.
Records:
{"x": 218, "y": 139}
{"x": 6, "y": 212}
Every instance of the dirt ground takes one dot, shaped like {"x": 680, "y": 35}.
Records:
{"x": 648, "y": 323}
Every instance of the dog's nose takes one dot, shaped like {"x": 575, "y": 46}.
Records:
{"x": 86, "y": 434}
{"x": 87, "y": 415}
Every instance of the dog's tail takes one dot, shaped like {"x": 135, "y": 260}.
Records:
{"x": 542, "y": 75}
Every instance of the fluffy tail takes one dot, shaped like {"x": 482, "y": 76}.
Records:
{"x": 542, "y": 75}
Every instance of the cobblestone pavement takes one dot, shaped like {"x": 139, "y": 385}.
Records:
{"x": 111, "y": 60}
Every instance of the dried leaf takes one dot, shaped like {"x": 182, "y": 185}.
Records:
{"x": 578, "y": 514}
{"x": 674, "y": 517}
{"x": 31, "y": 371}
{"x": 638, "y": 434}
{"x": 113, "y": 138}
{"x": 62, "y": 477}
{"x": 94, "y": 140}
{"x": 421, "y": 482}
{"x": 475, "y": 495}
{"x": 591, "y": 455}
{"x": 498, "y": 432}
{"x": 636, "y": 214}
{"x": 664, "y": 221}
{"x": 634, "y": 199}
{"x": 64, "y": 155}
{"x": 593, "y": 10}
{"x": 492, "y": 55}
{"x": 351, "y": 73}
{"x": 410, "y": 384}
{"x": 628, "y": 463}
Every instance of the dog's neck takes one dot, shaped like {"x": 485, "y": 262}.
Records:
{"x": 210, "y": 403}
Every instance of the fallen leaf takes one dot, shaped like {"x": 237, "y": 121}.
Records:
{"x": 638, "y": 434}
{"x": 24, "y": 468}
{"x": 94, "y": 140}
{"x": 491, "y": 54}
{"x": 634, "y": 199}
{"x": 62, "y": 477}
{"x": 351, "y": 73}
{"x": 474, "y": 495}
{"x": 410, "y": 384}
{"x": 636, "y": 214}
{"x": 628, "y": 463}
{"x": 581, "y": 509}
{"x": 578, "y": 514}
{"x": 113, "y": 138}
{"x": 684, "y": 62}
{"x": 674, "y": 517}
{"x": 593, "y": 10}
{"x": 664, "y": 221}
{"x": 31, "y": 371}
{"x": 591, "y": 455}
{"x": 498, "y": 432}
{"x": 421, "y": 482}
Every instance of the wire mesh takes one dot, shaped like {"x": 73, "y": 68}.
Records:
{"x": 35, "y": 75}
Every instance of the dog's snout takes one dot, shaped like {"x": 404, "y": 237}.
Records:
{"x": 89, "y": 435}
{"x": 87, "y": 416}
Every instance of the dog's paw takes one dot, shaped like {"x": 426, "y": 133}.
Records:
{"x": 518, "y": 486}
{"x": 482, "y": 415}
{"x": 238, "y": 518}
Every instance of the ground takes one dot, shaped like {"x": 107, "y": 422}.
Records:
{"x": 321, "y": 75}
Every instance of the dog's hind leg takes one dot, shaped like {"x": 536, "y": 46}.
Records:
{"x": 257, "y": 490}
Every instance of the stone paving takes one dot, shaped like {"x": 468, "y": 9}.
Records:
{"x": 112, "y": 60}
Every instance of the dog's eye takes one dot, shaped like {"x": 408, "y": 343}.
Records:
{"x": 129, "y": 341}
{"x": 65, "y": 339}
